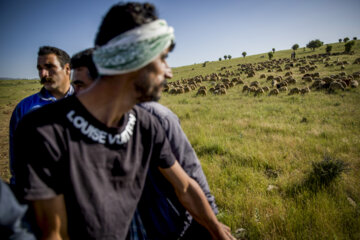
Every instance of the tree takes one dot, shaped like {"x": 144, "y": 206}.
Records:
{"x": 328, "y": 49}
{"x": 244, "y": 54}
{"x": 273, "y": 50}
{"x": 346, "y": 39}
{"x": 219, "y": 59}
{"x": 340, "y": 40}
{"x": 314, "y": 44}
{"x": 348, "y": 46}
{"x": 355, "y": 38}
{"x": 229, "y": 57}
{"x": 295, "y": 46}
{"x": 270, "y": 54}
{"x": 225, "y": 57}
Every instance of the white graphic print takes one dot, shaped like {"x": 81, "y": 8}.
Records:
{"x": 100, "y": 136}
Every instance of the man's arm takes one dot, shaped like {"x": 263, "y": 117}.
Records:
{"x": 194, "y": 200}
{"x": 51, "y": 218}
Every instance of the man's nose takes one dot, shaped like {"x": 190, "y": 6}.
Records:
{"x": 43, "y": 73}
{"x": 168, "y": 72}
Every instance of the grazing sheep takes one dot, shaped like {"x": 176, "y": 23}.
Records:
{"x": 294, "y": 91}
{"x": 201, "y": 92}
{"x": 317, "y": 85}
{"x": 172, "y": 91}
{"x": 252, "y": 89}
{"x": 259, "y": 92}
{"x": 307, "y": 79}
{"x": 288, "y": 74}
{"x": 336, "y": 85}
{"x": 266, "y": 89}
{"x": 269, "y": 78}
{"x": 180, "y": 90}
{"x": 274, "y": 92}
{"x": 187, "y": 89}
{"x": 245, "y": 88}
{"x": 240, "y": 82}
{"x": 262, "y": 76}
{"x": 305, "y": 90}
{"x": 354, "y": 84}
{"x": 273, "y": 83}
{"x": 283, "y": 89}
{"x": 255, "y": 84}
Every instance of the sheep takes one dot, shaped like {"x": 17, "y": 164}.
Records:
{"x": 255, "y": 84}
{"x": 283, "y": 89}
{"x": 266, "y": 89}
{"x": 274, "y": 92}
{"x": 245, "y": 88}
{"x": 336, "y": 85}
{"x": 294, "y": 91}
{"x": 252, "y": 89}
{"x": 354, "y": 84}
{"x": 259, "y": 91}
{"x": 305, "y": 90}
{"x": 262, "y": 76}
{"x": 201, "y": 91}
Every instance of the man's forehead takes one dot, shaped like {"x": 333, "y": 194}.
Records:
{"x": 48, "y": 58}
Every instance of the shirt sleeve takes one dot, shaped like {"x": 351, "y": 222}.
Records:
{"x": 186, "y": 155}
{"x": 37, "y": 161}
{"x": 162, "y": 150}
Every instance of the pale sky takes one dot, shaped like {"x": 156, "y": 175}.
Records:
{"x": 204, "y": 29}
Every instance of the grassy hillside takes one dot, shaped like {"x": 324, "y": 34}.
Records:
{"x": 248, "y": 144}
{"x": 274, "y": 163}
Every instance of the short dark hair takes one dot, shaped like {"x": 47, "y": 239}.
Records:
{"x": 84, "y": 59}
{"x": 62, "y": 56}
{"x": 123, "y": 17}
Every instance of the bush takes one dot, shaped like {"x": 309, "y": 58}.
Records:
{"x": 348, "y": 46}
{"x": 346, "y": 39}
{"x": 295, "y": 46}
{"x": 354, "y": 38}
{"x": 328, "y": 49}
{"x": 273, "y": 50}
{"x": 219, "y": 59}
{"x": 340, "y": 40}
{"x": 244, "y": 54}
{"x": 225, "y": 57}
{"x": 314, "y": 44}
{"x": 229, "y": 57}
{"x": 325, "y": 172}
{"x": 271, "y": 55}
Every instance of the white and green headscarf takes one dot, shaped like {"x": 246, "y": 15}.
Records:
{"x": 133, "y": 49}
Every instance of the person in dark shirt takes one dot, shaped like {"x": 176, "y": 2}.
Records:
{"x": 84, "y": 159}
{"x": 163, "y": 217}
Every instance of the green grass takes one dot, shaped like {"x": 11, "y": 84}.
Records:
{"x": 247, "y": 143}
{"x": 240, "y": 138}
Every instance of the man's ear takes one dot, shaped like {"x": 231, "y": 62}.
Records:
{"x": 67, "y": 69}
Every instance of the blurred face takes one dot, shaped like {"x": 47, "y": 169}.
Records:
{"x": 81, "y": 79}
{"x": 152, "y": 78}
{"x": 54, "y": 78}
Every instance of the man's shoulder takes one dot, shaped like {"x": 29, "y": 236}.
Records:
{"x": 49, "y": 112}
{"x": 159, "y": 111}
{"x": 29, "y": 100}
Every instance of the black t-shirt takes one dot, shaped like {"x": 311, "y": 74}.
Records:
{"x": 63, "y": 149}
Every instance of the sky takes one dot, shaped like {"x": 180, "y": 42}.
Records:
{"x": 204, "y": 29}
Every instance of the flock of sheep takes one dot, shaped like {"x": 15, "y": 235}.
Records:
{"x": 273, "y": 84}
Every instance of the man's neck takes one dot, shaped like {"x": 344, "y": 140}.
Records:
{"x": 109, "y": 98}
{"x": 61, "y": 92}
